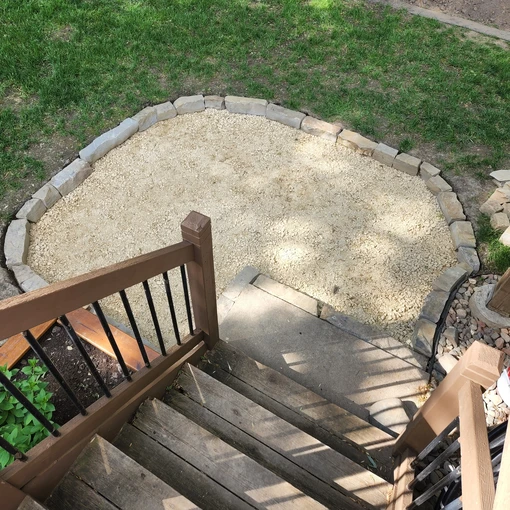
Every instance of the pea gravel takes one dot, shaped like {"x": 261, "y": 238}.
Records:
{"x": 367, "y": 239}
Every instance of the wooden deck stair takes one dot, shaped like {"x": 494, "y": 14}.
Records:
{"x": 232, "y": 434}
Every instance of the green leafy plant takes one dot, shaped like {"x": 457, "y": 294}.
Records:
{"x": 17, "y": 425}
{"x": 498, "y": 255}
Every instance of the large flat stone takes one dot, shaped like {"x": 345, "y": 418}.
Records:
{"x": 342, "y": 368}
{"x": 71, "y": 176}
{"x": 427, "y": 171}
{"x": 246, "y": 105}
{"x": 109, "y": 140}
{"x": 32, "y": 210}
{"x": 356, "y": 142}
{"x": 146, "y": 118}
{"x": 385, "y": 154}
{"x": 389, "y": 415}
{"x": 319, "y": 128}
{"x": 27, "y": 279}
{"x": 449, "y": 279}
{"x": 189, "y": 104}
{"x": 48, "y": 194}
{"x": 505, "y": 237}
{"x": 501, "y": 175}
{"x": 286, "y": 293}
{"x": 284, "y": 115}
{"x": 491, "y": 207}
{"x": 423, "y": 336}
{"x": 246, "y": 276}
{"x": 437, "y": 184}
{"x": 165, "y": 111}
{"x": 462, "y": 234}
{"x": 469, "y": 257}
{"x": 450, "y": 206}
{"x": 434, "y": 305}
{"x": 407, "y": 164}
{"x": 16, "y": 243}
{"x": 215, "y": 102}
{"x": 499, "y": 221}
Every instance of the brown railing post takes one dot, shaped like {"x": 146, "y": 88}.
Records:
{"x": 196, "y": 229}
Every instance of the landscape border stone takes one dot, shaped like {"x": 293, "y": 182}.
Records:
{"x": 429, "y": 320}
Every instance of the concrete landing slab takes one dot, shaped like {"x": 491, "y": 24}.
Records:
{"x": 346, "y": 370}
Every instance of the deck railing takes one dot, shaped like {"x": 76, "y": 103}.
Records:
{"x": 38, "y": 471}
{"x": 456, "y": 405}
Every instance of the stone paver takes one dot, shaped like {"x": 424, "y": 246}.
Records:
{"x": 286, "y": 293}
{"x": 165, "y": 111}
{"x": 189, "y": 104}
{"x": 491, "y": 207}
{"x": 27, "y": 279}
{"x": 216, "y": 102}
{"x": 450, "y": 207}
{"x": 223, "y": 306}
{"x": 109, "y": 140}
{"x": 423, "y": 336}
{"x": 71, "y": 176}
{"x": 499, "y": 221}
{"x": 469, "y": 257}
{"x": 462, "y": 234}
{"x": 284, "y": 115}
{"x": 450, "y": 278}
{"x": 427, "y": 170}
{"x": 389, "y": 415}
{"x": 246, "y": 276}
{"x": 48, "y": 194}
{"x": 16, "y": 243}
{"x": 385, "y": 154}
{"x": 407, "y": 163}
{"x": 317, "y": 127}
{"x": 246, "y": 105}
{"x": 501, "y": 175}
{"x": 146, "y": 118}
{"x": 32, "y": 210}
{"x": 434, "y": 305}
{"x": 437, "y": 185}
{"x": 340, "y": 367}
{"x": 356, "y": 142}
{"x": 505, "y": 237}
{"x": 501, "y": 195}
{"x": 22, "y": 273}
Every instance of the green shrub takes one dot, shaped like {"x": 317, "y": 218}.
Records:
{"x": 498, "y": 255}
{"x": 17, "y": 425}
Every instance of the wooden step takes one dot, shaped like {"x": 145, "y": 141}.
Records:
{"x": 30, "y": 504}
{"x": 267, "y": 457}
{"x": 345, "y": 432}
{"x": 297, "y": 446}
{"x": 119, "y": 481}
{"x": 240, "y": 474}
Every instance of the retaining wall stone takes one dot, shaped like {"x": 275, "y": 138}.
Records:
{"x": 246, "y": 105}
{"x": 71, "y": 176}
{"x": 189, "y": 104}
{"x": 284, "y": 115}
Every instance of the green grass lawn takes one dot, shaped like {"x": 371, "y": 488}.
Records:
{"x": 71, "y": 69}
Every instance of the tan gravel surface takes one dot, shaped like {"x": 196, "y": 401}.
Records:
{"x": 366, "y": 239}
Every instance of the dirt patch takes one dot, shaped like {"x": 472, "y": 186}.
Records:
{"x": 495, "y": 13}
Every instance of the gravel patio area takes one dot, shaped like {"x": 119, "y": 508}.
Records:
{"x": 362, "y": 237}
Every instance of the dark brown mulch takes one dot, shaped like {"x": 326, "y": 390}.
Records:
{"x": 69, "y": 362}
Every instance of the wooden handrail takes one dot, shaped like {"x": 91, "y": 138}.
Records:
{"x": 475, "y": 460}
{"x": 482, "y": 365}
{"x": 503, "y": 489}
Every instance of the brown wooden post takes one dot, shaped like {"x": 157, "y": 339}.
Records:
{"x": 196, "y": 229}
{"x": 503, "y": 489}
{"x": 500, "y": 301}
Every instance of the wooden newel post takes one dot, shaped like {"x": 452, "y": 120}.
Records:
{"x": 196, "y": 229}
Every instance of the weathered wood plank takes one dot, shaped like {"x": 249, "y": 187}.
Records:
{"x": 402, "y": 496}
{"x": 88, "y": 327}
{"x": 475, "y": 460}
{"x": 123, "y": 482}
{"x": 176, "y": 472}
{"x": 503, "y": 489}
{"x": 334, "y": 426}
{"x": 298, "y": 446}
{"x": 240, "y": 474}
{"x": 301, "y": 479}
{"x": 31, "y": 504}
{"x": 73, "y": 494}
{"x": 500, "y": 301}
{"x": 16, "y": 346}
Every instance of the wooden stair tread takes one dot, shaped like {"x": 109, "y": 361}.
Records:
{"x": 332, "y": 425}
{"x": 267, "y": 457}
{"x": 122, "y": 481}
{"x": 298, "y": 446}
{"x": 176, "y": 472}
{"x": 243, "y": 476}
{"x": 30, "y": 504}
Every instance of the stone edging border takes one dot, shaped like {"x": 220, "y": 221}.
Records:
{"x": 429, "y": 322}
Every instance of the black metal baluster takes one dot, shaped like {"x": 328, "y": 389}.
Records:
{"x": 134, "y": 327}
{"x": 111, "y": 339}
{"x": 172, "y": 308}
{"x": 54, "y": 371}
{"x": 16, "y": 393}
{"x": 71, "y": 333}
{"x": 446, "y": 480}
{"x": 17, "y": 454}
{"x": 154, "y": 316}
{"x": 435, "y": 442}
{"x": 186, "y": 299}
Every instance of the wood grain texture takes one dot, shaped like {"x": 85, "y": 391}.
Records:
{"x": 500, "y": 301}
{"x": 11, "y": 497}
{"x": 16, "y": 346}
{"x": 88, "y": 327}
{"x": 267, "y": 457}
{"x": 176, "y": 472}
{"x": 503, "y": 489}
{"x": 240, "y": 474}
{"x": 481, "y": 364}
{"x": 33, "y": 308}
{"x": 475, "y": 460}
{"x": 401, "y": 495}
{"x": 296, "y": 445}
{"x": 123, "y": 482}
{"x": 50, "y": 459}
{"x": 31, "y": 504}
{"x": 343, "y": 431}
